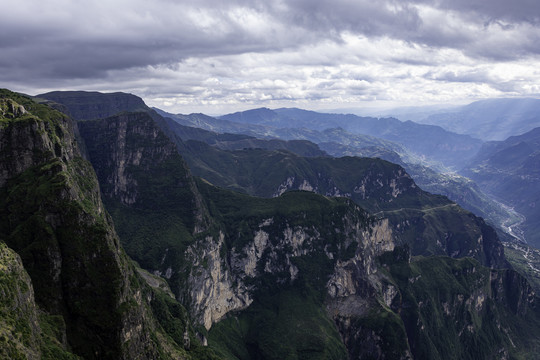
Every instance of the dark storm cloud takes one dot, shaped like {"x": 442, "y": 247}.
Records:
{"x": 210, "y": 50}
{"x": 62, "y": 39}
{"x": 87, "y": 40}
{"x": 491, "y": 10}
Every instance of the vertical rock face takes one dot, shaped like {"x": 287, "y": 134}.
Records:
{"x": 18, "y": 310}
{"x": 148, "y": 190}
{"x": 214, "y": 290}
{"x": 228, "y": 270}
{"x": 356, "y": 291}
{"x": 127, "y": 151}
{"x": 117, "y": 152}
{"x": 353, "y": 277}
{"x": 51, "y": 214}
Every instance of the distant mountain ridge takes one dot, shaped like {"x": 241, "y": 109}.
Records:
{"x": 493, "y": 119}
{"x": 335, "y": 141}
{"x": 338, "y": 142}
{"x": 510, "y": 170}
{"x": 432, "y": 142}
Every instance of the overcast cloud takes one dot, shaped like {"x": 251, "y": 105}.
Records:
{"x": 218, "y": 56}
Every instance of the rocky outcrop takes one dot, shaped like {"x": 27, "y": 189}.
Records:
{"x": 222, "y": 281}
{"x": 214, "y": 290}
{"x": 29, "y": 141}
{"x": 355, "y": 276}
{"x": 459, "y": 309}
{"x": 356, "y": 290}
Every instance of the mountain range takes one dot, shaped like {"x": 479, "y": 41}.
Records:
{"x": 338, "y": 142}
{"x": 428, "y": 141}
{"x": 117, "y": 244}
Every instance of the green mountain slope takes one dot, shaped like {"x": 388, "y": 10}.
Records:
{"x": 88, "y": 296}
{"x": 478, "y": 314}
{"x": 378, "y": 186}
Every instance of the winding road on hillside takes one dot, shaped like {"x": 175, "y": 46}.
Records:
{"x": 414, "y": 209}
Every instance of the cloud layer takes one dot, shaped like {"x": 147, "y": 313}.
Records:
{"x": 213, "y": 56}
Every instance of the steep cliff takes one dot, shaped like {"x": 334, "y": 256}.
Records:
{"x": 148, "y": 190}
{"x": 92, "y": 302}
{"x": 305, "y": 266}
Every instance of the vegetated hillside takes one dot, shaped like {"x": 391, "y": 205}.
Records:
{"x": 68, "y": 289}
{"x": 431, "y": 142}
{"x": 493, "y": 119}
{"x": 373, "y": 183}
{"x": 526, "y": 260}
{"x": 259, "y": 264}
{"x": 457, "y": 188}
{"x": 460, "y": 319}
{"x": 376, "y": 185}
{"x": 510, "y": 170}
{"x": 337, "y": 142}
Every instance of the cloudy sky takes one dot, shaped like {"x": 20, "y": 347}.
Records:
{"x": 217, "y": 56}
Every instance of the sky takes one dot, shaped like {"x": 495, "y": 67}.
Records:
{"x": 217, "y": 57}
